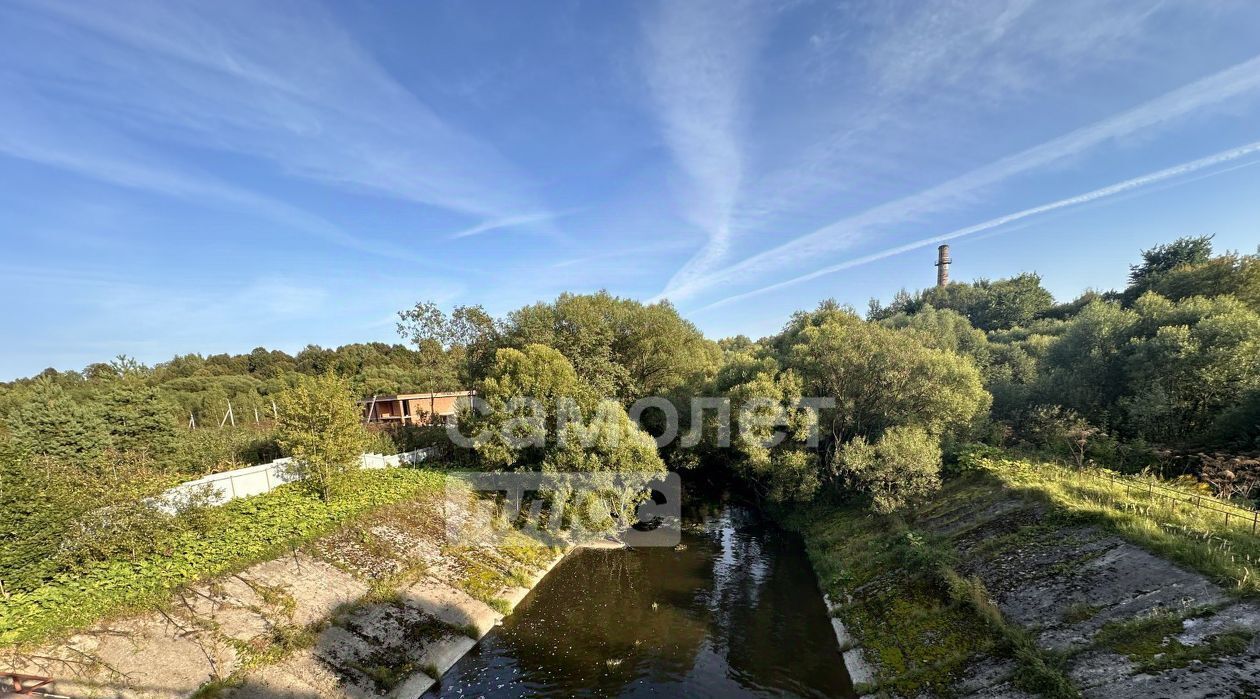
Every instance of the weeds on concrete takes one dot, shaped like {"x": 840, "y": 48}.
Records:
{"x": 1080, "y": 611}
{"x": 1039, "y": 671}
{"x": 920, "y": 640}
{"x": 1150, "y": 641}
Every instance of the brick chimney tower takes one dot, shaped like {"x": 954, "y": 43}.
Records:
{"x": 942, "y": 265}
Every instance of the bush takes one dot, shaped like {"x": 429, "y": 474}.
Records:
{"x": 61, "y": 514}
{"x": 209, "y": 450}
{"x": 905, "y": 463}
{"x": 1238, "y": 427}
{"x": 970, "y": 457}
{"x": 396, "y": 439}
{"x": 1062, "y": 431}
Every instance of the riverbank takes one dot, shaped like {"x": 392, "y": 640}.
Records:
{"x": 377, "y": 606}
{"x": 1022, "y": 579}
{"x": 224, "y": 540}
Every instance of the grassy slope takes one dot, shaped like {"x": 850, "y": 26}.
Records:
{"x": 245, "y": 532}
{"x": 918, "y": 638}
{"x": 1196, "y": 538}
{"x": 923, "y": 625}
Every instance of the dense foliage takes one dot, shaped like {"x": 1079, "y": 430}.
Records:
{"x": 894, "y": 400}
{"x": 622, "y": 348}
{"x": 1172, "y": 360}
{"x": 543, "y": 416}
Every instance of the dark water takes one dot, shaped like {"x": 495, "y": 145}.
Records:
{"x": 737, "y": 613}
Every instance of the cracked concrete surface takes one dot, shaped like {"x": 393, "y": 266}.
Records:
{"x": 1064, "y": 583}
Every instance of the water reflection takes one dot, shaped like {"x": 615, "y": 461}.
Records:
{"x": 734, "y": 613}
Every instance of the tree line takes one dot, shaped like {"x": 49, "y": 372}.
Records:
{"x": 1171, "y": 360}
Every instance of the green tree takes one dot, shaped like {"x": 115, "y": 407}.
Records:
{"x": 1165, "y": 258}
{"x": 523, "y": 393}
{"x": 988, "y": 305}
{"x": 1008, "y": 303}
{"x": 1009, "y": 371}
{"x": 1191, "y": 362}
{"x": 1084, "y": 366}
{"x": 621, "y": 348}
{"x": 1230, "y": 274}
{"x": 321, "y": 427}
{"x": 61, "y": 513}
{"x": 468, "y": 333}
{"x": 542, "y": 417}
{"x": 55, "y": 424}
{"x": 880, "y": 378}
{"x": 1239, "y": 426}
{"x": 773, "y": 432}
{"x": 137, "y": 418}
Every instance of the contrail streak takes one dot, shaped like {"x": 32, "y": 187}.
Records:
{"x": 1104, "y": 192}
{"x": 1242, "y": 78}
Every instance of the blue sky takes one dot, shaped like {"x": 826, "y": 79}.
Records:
{"x": 210, "y": 177}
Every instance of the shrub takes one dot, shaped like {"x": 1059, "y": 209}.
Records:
{"x": 1062, "y": 431}
{"x": 209, "y": 450}
{"x": 905, "y": 463}
{"x": 970, "y": 457}
{"x": 85, "y": 511}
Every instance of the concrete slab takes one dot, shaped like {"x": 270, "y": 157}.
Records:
{"x": 148, "y": 657}
{"x": 451, "y": 605}
{"x": 317, "y": 588}
{"x": 414, "y": 687}
{"x": 443, "y": 654}
{"x": 843, "y": 638}
{"x": 860, "y": 671}
{"x": 514, "y": 595}
{"x": 231, "y": 607}
{"x": 302, "y": 675}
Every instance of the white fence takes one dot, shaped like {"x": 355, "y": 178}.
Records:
{"x": 263, "y": 478}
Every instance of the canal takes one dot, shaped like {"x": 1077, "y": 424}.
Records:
{"x": 733, "y": 612}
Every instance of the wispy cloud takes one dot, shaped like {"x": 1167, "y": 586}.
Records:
{"x": 1238, "y": 80}
{"x": 184, "y": 312}
{"x": 874, "y": 86}
{"x": 280, "y": 82}
{"x": 1136, "y": 183}
{"x": 622, "y": 253}
{"x": 997, "y": 50}
{"x": 697, "y": 59}
{"x": 505, "y": 222}
{"x": 33, "y": 130}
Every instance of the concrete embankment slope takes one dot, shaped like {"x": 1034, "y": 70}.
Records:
{"x": 380, "y": 607}
{"x": 990, "y": 591}
{"x": 396, "y": 646}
